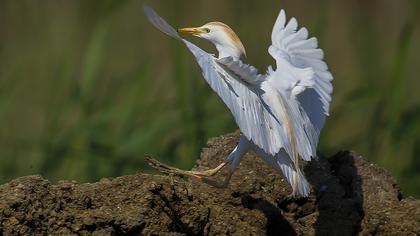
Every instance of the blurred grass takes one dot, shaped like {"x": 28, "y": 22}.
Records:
{"x": 87, "y": 88}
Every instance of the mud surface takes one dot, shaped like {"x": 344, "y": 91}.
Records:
{"x": 350, "y": 196}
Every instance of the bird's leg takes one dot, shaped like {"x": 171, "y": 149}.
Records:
{"x": 217, "y": 183}
{"x": 233, "y": 160}
{"x": 204, "y": 176}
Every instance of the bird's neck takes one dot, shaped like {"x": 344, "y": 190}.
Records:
{"x": 227, "y": 50}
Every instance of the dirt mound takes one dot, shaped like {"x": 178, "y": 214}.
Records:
{"x": 350, "y": 195}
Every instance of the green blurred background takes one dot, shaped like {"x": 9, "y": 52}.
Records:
{"x": 87, "y": 88}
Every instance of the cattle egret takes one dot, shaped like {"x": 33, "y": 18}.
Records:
{"x": 280, "y": 114}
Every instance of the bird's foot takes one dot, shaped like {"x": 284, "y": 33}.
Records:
{"x": 163, "y": 167}
{"x": 209, "y": 172}
{"x": 202, "y": 176}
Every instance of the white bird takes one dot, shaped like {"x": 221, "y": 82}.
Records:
{"x": 280, "y": 114}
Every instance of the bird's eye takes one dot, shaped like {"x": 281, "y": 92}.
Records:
{"x": 207, "y": 30}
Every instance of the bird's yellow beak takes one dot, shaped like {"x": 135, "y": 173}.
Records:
{"x": 193, "y": 30}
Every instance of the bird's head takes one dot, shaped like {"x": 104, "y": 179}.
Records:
{"x": 221, "y": 35}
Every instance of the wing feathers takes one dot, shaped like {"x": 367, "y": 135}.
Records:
{"x": 246, "y": 72}
{"x": 159, "y": 23}
{"x": 301, "y": 53}
{"x": 303, "y": 44}
{"x": 291, "y": 26}
{"x": 278, "y": 26}
{"x": 310, "y": 53}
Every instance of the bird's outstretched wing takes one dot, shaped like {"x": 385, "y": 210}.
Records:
{"x": 238, "y": 85}
{"x": 301, "y": 72}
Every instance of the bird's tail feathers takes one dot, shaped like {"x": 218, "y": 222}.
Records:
{"x": 282, "y": 163}
{"x": 295, "y": 177}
